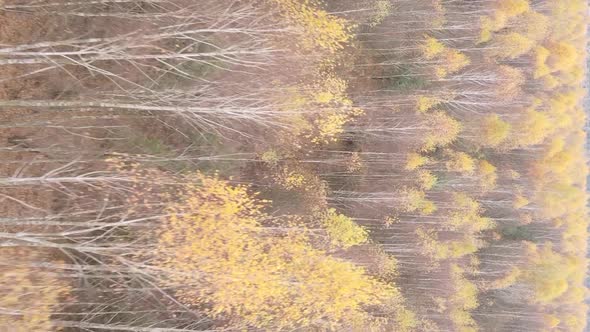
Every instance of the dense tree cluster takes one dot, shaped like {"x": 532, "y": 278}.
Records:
{"x": 375, "y": 165}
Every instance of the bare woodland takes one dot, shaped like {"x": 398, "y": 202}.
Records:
{"x": 293, "y": 165}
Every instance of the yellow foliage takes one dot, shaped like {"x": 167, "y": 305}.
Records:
{"x": 216, "y": 252}
{"x": 432, "y": 47}
{"x": 385, "y": 265}
{"x": 463, "y": 202}
{"x": 519, "y": 202}
{"x": 438, "y": 250}
{"x": 461, "y": 162}
{"x": 563, "y": 56}
{"x": 333, "y": 109}
{"x": 32, "y": 293}
{"x": 508, "y": 280}
{"x": 406, "y": 320}
{"x": 564, "y": 102}
{"x": 487, "y": 174}
{"x": 513, "y": 175}
{"x": 534, "y": 25}
{"x": 546, "y": 291}
{"x": 443, "y": 130}
{"x": 440, "y": 72}
{"x": 331, "y": 89}
{"x": 428, "y": 207}
{"x": 465, "y": 295}
{"x": 424, "y": 103}
{"x": 271, "y": 157}
{"x": 329, "y": 127}
{"x": 532, "y": 128}
{"x": 415, "y": 160}
{"x": 550, "y": 82}
{"x": 415, "y": 200}
{"x": 551, "y": 321}
{"x": 511, "y": 80}
{"x": 458, "y": 249}
{"x": 571, "y": 98}
{"x": 573, "y": 76}
{"x": 541, "y": 56}
{"x": 450, "y": 61}
{"x": 426, "y": 179}
{"x": 466, "y": 216}
{"x": 342, "y": 230}
{"x": 550, "y": 272}
{"x": 291, "y": 180}
{"x": 430, "y": 245}
{"x": 560, "y": 162}
{"x": 382, "y": 9}
{"x": 574, "y": 322}
{"x": 439, "y": 19}
{"x": 319, "y": 28}
{"x": 494, "y": 130}
{"x": 510, "y": 45}
{"x": 441, "y": 304}
{"x": 485, "y": 34}
{"x": 557, "y": 199}
{"x": 462, "y": 319}
{"x": 491, "y": 24}
{"x": 576, "y": 294}
{"x": 512, "y": 8}
{"x": 390, "y": 220}
{"x": 454, "y": 60}
{"x": 329, "y": 94}
{"x": 468, "y": 329}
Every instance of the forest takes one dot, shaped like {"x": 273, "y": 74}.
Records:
{"x": 293, "y": 165}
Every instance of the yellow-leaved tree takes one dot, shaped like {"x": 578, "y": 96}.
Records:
{"x": 512, "y": 8}
{"x": 412, "y": 199}
{"x": 415, "y": 160}
{"x": 464, "y": 299}
{"x": 541, "y": 56}
{"x": 466, "y": 215}
{"x": 29, "y": 295}
{"x": 342, "y": 230}
{"x": 534, "y": 25}
{"x": 532, "y": 128}
{"x": 550, "y": 272}
{"x": 442, "y": 130}
{"x": 563, "y": 56}
{"x": 319, "y": 29}
{"x": 487, "y": 175}
{"x": 511, "y": 80}
{"x": 494, "y": 130}
{"x": 432, "y": 47}
{"x": 460, "y": 162}
{"x": 215, "y": 252}
{"x": 510, "y": 45}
